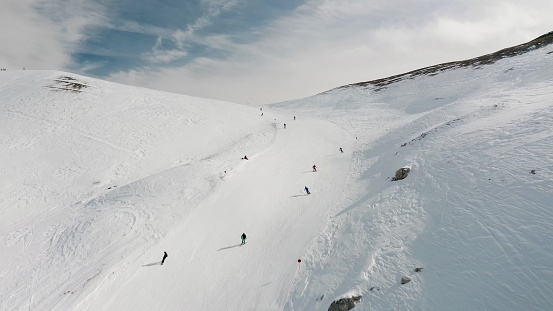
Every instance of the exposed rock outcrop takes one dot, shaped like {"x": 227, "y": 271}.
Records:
{"x": 401, "y": 173}
{"x": 344, "y": 304}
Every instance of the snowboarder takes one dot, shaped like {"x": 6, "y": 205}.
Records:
{"x": 245, "y": 158}
{"x": 243, "y": 238}
{"x": 314, "y": 168}
{"x": 342, "y": 151}
{"x": 307, "y": 190}
{"x": 284, "y": 125}
{"x": 164, "y": 256}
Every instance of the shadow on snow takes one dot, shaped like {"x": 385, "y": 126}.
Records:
{"x": 232, "y": 246}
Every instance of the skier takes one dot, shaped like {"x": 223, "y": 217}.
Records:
{"x": 342, "y": 151}
{"x": 294, "y": 117}
{"x": 314, "y": 168}
{"x": 307, "y": 190}
{"x": 164, "y": 256}
{"x": 245, "y": 158}
{"x": 243, "y": 238}
{"x": 284, "y": 125}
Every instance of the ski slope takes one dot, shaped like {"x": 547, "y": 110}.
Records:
{"x": 262, "y": 197}
{"x": 98, "y": 179}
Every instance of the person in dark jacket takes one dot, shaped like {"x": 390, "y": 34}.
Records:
{"x": 243, "y": 238}
{"x": 307, "y": 190}
{"x": 164, "y": 256}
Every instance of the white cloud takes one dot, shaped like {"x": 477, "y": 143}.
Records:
{"x": 180, "y": 37}
{"x": 40, "y": 34}
{"x": 27, "y": 39}
{"x": 160, "y": 55}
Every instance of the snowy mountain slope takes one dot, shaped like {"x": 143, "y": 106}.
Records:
{"x": 97, "y": 180}
{"x": 81, "y": 173}
{"x": 470, "y": 213}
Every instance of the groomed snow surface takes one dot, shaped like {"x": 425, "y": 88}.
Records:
{"x": 97, "y": 180}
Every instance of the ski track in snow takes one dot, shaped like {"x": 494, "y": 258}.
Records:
{"x": 263, "y": 210}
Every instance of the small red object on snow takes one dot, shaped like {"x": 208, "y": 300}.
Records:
{"x": 299, "y": 260}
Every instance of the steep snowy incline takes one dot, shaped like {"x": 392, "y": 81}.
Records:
{"x": 207, "y": 269}
{"x": 491, "y": 219}
{"x": 471, "y": 213}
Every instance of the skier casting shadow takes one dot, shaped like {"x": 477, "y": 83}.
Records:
{"x": 307, "y": 192}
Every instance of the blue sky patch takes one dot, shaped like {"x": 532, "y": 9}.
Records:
{"x": 168, "y": 33}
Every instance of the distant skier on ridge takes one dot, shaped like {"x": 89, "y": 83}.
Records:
{"x": 243, "y": 239}
{"x": 314, "y": 168}
{"x": 307, "y": 190}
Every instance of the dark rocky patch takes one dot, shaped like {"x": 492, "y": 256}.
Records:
{"x": 401, "y": 173}
{"x": 344, "y": 304}
{"x": 66, "y": 83}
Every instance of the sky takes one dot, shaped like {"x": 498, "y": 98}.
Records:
{"x": 258, "y": 52}
{"x": 99, "y": 179}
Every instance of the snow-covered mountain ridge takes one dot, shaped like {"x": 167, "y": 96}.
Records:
{"x": 98, "y": 179}
{"x": 477, "y": 62}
